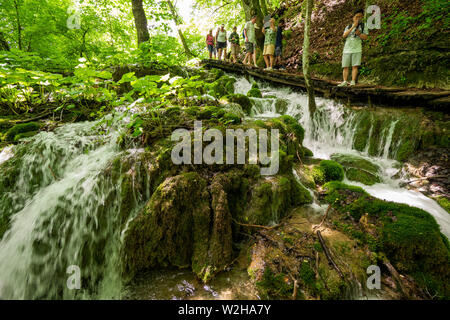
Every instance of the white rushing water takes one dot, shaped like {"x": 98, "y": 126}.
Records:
{"x": 332, "y": 131}
{"x": 63, "y": 192}
{"x": 64, "y": 206}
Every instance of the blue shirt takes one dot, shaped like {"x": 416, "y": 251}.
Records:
{"x": 279, "y": 41}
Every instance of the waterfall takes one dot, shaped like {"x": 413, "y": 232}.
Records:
{"x": 64, "y": 206}
{"x": 332, "y": 130}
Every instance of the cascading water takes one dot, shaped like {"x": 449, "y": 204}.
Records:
{"x": 64, "y": 203}
{"x": 332, "y": 130}
{"x": 64, "y": 191}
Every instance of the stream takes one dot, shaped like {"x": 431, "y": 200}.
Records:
{"x": 64, "y": 207}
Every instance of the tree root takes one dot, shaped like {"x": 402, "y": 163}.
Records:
{"x": 328, "y": 255}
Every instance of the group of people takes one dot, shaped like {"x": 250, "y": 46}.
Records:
{"x": 273, "y": 44}
{"x": 354, "y": 34}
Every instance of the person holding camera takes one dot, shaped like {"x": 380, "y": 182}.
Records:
{"x": 351, "y": 57}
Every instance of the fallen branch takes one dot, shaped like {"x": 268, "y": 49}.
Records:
{"x": 328, "y": 255}
{"x": 425, "y": 178}
{"x": 396, "y": 276}
{"x": 43, "y": 115}
{"x": 294, "y": 294}
{"x": 257, "y": 226}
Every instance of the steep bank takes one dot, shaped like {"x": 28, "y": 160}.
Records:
{"x": 410, "y": 49}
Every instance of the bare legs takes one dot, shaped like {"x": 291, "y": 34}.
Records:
{"x": 354, "y": 73}
{"x": 266, "y": 60}
{"x": 345, "y": 74}
{"x": 269, "y": 60}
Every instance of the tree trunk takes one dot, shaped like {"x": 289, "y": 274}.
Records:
{"x": 176, "y": 19}
{"x": 19, "y": 26}
{"x": 3, "y": 43}
{"x": 305, "y": 62}
{"x": 253, "y": 7}
{"x": 140, "y": 21}
{"x": 263, "y": 7}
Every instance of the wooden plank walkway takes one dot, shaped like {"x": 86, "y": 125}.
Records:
{"x": 360, "y": 94}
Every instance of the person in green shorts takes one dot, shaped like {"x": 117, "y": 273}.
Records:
{"x": 235, "y": 46}
{"x": 269, "y": 44}
{"x": 351, "y": 57}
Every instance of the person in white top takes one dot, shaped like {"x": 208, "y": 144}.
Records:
{"x": 221, "y": 40}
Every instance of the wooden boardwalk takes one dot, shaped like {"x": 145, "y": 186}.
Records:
{"x": 360, "y": 94}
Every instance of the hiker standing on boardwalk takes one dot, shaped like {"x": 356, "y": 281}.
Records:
{"x": 269, "y": 44}
{"x": 351, "y": 57}
{"x": 279, "y": 45}
{"x": 235, "y": 45}
{"x": 210, "y": 44}
{"x": 250, "y": 42}
{"x": 221, "y": 39}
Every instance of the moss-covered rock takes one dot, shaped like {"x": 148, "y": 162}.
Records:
{"x": 173, "y": 229}
{"x": 240, "y": 99}
{"x": 281, "y": 106}
{"x": 409, "y": 236}
{"x": 21, "y": 128}
{"x": 221, "y": 87}
{"x": 254, "y": 93}
{"x": 234, "y": 108}
{"x": 212, "y": 75}
{"x": 444, "y": 202}
{"x": 271, "y": 199}
{"x": 358, "y": 169}
{"x": 25, "y": 135}
{"x": 328, "y": 170}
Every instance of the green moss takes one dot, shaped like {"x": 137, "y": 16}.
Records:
{"x": 444, "y": 202}
{"x": 306, "y": 152}
{"x": 353, "y": 161}
{"x": 21, "y": 128}
{"x": 209, "y": 112}
{"x": 235, "y": 109}
{"x": 240, "y": 99}
{"x": 212, "y": 75}
{"x": 318, "y": 175}
{"x": 25, "y": 135}
{"x": 405, "y": 150}
{"x": 363, "y": 176}
{"x": 409, "y": 236}
{"x": 221, "y": 87}
{"x": 254, "y": 93}
{"x": 360, "y": 140}
{"x": 281, "y": 106}
{"x": 274, "y": 286}
{"x": 332, "y": 171}
{"x": 231, "y": 118}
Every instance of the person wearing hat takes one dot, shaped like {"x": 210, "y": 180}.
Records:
{"x": 221, "y": 39}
